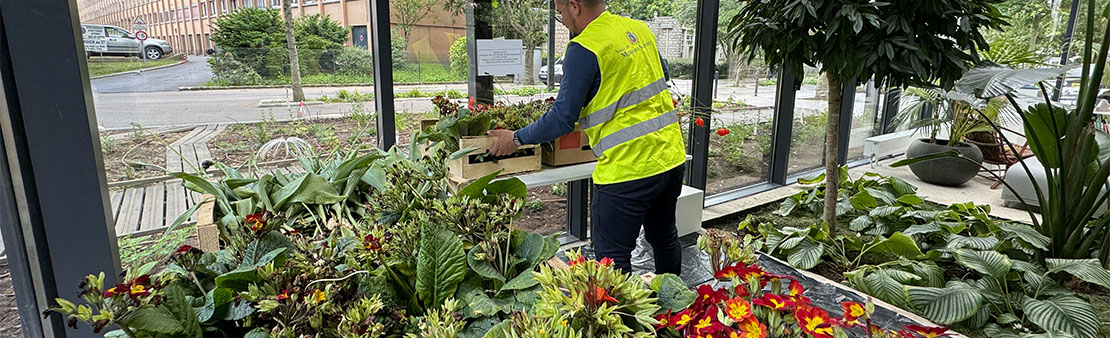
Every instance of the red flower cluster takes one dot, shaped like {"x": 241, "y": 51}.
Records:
{"x": 605, "y": 261}
{"x": 135, "y": 288}
{"x": 256, "y": 222}
{"x": 740, "y": 317}
{"x": 372, "y": 243}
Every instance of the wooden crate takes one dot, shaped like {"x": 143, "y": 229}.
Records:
{"x": 466, "y": 168}
{"x": 573, "y": 148}
{"x": 425, "y": 123}
{"x": 208, "y": 235}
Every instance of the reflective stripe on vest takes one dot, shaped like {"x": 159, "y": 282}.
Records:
{"x": 632, "y": 132}
{"x": 628, "y": 100}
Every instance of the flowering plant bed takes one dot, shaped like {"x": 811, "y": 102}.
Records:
{"x": 955, "y": 265}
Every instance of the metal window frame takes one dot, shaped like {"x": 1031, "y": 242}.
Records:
{"x": 55, "y": 179}
{"x": 379, "y": 31}
{"x": 705, "y": 51}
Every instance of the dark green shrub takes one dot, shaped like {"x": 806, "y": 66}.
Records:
{"x": 354, "y": 61}
{"x": 232, "y": 72}
{"x": 684, "y": 68}
{"x": 459, "y": 60}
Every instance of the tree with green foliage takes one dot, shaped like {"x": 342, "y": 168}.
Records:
{"x": 1031, "y": 23}
{"x": 248, "y": 34}
{"x": 899, "y": 43}
{"x": 525, "y": 20}
{"x": 407, "y": 13}
{"x": 642, "y": 9}
{"x": 685, "y": 11}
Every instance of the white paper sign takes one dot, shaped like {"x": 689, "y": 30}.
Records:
{"x": 500, "y": 57}
{"x": 95, "y": 41}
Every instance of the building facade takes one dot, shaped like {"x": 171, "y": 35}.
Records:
{"x": 674, "y": 40}
{"x": 187, "y": 24}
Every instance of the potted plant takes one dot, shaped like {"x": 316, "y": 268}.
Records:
{"x": 959, "y": 115}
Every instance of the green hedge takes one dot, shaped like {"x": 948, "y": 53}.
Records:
{"x": 684, "y": 68}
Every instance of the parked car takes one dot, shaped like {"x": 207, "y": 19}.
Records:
{"x": 121, "y": 42}
{"x": 558, "y": 71}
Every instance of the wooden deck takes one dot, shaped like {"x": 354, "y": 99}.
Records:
{"x": 150, "y": 208}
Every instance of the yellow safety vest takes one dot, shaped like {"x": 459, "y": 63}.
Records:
{"x": 631, "y": 122}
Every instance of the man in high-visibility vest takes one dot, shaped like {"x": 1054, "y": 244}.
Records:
{"x": 614, "y": 88}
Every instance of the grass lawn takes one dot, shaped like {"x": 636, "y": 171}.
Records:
{"x": 407, "y": 73}
{"x": 97, "y": 68}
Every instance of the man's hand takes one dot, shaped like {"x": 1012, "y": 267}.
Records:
{"x": 504, "y": 144}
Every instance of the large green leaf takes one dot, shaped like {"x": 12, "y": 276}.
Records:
{"x": 1027, "y": 234}
{"x": 878, "y": 284}
{"x": 512, "y": 186}
{"x": 989, "y": 263}
{"x": 951, "y": 304}
{"x": 308, "y": 189}
{"x": 1089, "y": 270}
{"x": 178, "y": 305}
{"x": 864, "y": 200}
{"x": 806, "y": 255}
{"x": 1044, "y": 129}
{"x": 156, "y": 320}
{"x": 1063, "y": 313}
{"x": 476, "y": 303}
{"x": 860, "y": 223}
{"x": 476, "y": 189}
{"x": 996, "y": 80}
{"x": 216, "y": 298}
{"x": 898, "y": 244}
{"x": 672, "y": 293}
{"x": 482, "y": 267}
{"x": 440, "y": 266}
{"x": 523, "y": 281}
{"x": 956, "y": 242}
{"x": 531, "y": 249}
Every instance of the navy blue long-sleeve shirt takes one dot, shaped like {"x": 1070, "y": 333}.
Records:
{"x": 581, "y": 81}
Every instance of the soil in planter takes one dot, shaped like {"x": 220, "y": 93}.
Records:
{"x": 145, "y": 148}
{"x": 9, "y": 313}
{"x": 240, "y": 143}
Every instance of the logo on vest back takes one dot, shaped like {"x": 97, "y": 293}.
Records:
{"x": 632, "y": 37}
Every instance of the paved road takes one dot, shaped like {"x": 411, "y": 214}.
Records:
{"x": 193, "y": 73}
{"x": 134, "y": 102}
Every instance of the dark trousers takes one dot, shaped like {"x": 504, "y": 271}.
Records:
{"x": 619, "y": 210}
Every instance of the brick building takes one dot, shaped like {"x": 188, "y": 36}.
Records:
{"x": 186, "y": 24}
{"x": 675, "y": 41}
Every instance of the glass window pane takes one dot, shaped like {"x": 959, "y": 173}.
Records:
{"x": 807, "y": 141}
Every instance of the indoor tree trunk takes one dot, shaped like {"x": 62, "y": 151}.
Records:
{"x": 832, "y": 135}
{"x": 294, "y": 61}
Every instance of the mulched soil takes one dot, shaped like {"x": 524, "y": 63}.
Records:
{"x": 9, "y": 314}
{"x": 240, "y": 143}
{"x": 549, "y": 218}
{"x": 146, "y": 148}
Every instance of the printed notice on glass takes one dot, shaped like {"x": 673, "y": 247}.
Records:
{"x": 95, "y": 41}
{"x": 500, "y": 57}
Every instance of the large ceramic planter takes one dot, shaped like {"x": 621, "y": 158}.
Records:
{"x": 947, "y": 171}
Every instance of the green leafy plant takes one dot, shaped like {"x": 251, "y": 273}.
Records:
{"x": 595, "y": 300}
{"x": 892, "y": 43}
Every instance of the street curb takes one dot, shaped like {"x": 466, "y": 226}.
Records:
{"x": 195, "y": 88}
{"x": 286, "y": 103}
{"x": 140, "y": 70}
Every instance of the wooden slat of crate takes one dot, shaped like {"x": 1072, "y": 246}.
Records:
{"x": 465, "y": 169}
{"x": 131, "y": 211}
{"x": 208, "y": 235}
{"x": 154, "y": 207}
